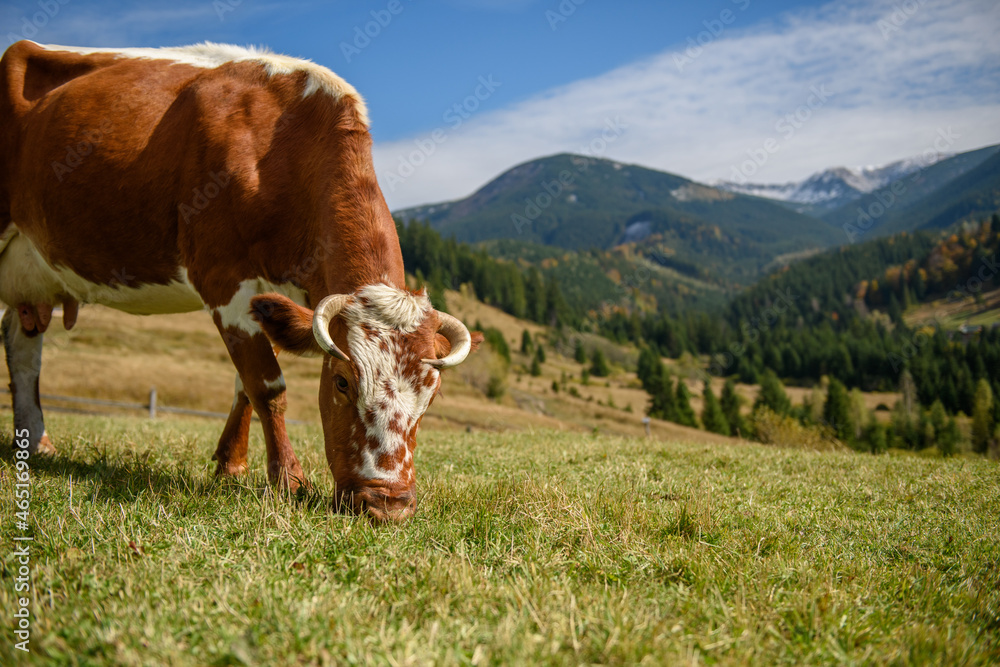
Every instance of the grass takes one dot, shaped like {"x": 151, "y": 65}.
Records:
{"x": 534, "y": 547}
{"x": 953, "y": 313}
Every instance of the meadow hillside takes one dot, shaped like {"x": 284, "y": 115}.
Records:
{"x": 550, "y": 530}
{"x": 537, "y": 547}
{"x": 115, "y": 356}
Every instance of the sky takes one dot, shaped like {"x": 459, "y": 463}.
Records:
{"x": 766, "y": 91}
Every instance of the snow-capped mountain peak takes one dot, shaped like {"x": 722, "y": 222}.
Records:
{"x": 833, "y": 187}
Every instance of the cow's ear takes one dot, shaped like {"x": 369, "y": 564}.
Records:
{"x": 442, "y": 347}
{"x": 287, "y": 324}
{"x": 477, "y": 339}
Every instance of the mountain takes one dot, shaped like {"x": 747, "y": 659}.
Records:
{"x": 576, "y": 202}
{"x": 962, "y": 187}
{"x": 832, "y": 188}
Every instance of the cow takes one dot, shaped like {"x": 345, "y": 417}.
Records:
{"x": 241, "y": 182}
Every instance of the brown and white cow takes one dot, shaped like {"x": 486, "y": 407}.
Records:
{"x": 241, "y": 182}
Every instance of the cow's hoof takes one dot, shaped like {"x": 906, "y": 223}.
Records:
{"x": 45, "y": 447}
{"x": 294, "y": 480}
{"x": 230, "y": 469}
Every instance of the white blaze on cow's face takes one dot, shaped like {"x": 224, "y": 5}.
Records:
{"x": 389, "y": 333}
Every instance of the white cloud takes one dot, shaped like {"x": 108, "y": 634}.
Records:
{"x": 896, "y": 72}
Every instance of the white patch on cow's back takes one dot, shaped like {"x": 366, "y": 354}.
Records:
{"x": 209, "y": 55}
{"x": 236, "y": 313}
{"x": 26, "y": 277}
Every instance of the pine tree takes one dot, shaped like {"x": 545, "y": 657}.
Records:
{"x": 878, "y": 440}
{"x": 536, "y": 368}
{"x": 579, "y": 353}
{"x": 556, "y": 310}
{"x": 685, "y": 414}
{"x": 895, "y": 310}
{"x": 909, "y": 391}
{"x": 712, "y": 416}
{"x": 772, "y": 394}
{"x": 938, "y": 418}
{"x": 540, "y": 353}
{"x": 949, "y": 437}
{"x": 982, "y": 417}
{"x": 663, "y": 402}
{"x": 730, "y": 403}
{"x": 837, "y": 411}
{"x": 599, "y": 365}
{"x": 534, "y": 294}
{"x": 649, "y": 367}
{"x": 527, "y": 345}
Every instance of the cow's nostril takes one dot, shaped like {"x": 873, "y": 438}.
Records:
{"x": 381, "y": 506}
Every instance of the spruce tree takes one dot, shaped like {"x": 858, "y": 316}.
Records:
{"x": 534, "y": 294}
{"x": 536, "y": 367}
{"x": 772, "y": 394}
{"x": 878, "y": 440}
{"x": 982, "y": 417}
{"x": 949, "y": 437}
{"x": 685, "y": 413}
{"x": 527, "y": 345}
{"x": 730, "y": 403}
{"x": 663, "y": 402}
{"x": 599, "y": 365}
{"x": 649, "y": 367}
{"x": 712, "y": 416}
{"x": 837, "y": 411}
{"x": 579, "y": 353}
{"x": 938, "y": 418}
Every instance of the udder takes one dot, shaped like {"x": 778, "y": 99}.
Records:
{"x": 29, "y": 284}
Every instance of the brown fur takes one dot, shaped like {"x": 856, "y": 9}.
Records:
{"x": 297, "y": 204}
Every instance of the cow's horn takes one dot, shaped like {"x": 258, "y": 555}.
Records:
{"x": 460, "y": 339}
{"x": 328, "y": 309}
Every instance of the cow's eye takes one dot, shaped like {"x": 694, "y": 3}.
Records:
{"x": 341, "y": 383}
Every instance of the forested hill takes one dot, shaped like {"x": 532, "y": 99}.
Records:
{"x": 822, "y": 288}
{"x": 837, "y": 314}
{"x": 578, "y": 203}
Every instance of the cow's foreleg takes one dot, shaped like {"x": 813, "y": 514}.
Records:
{"x": 231, "y": 454}
{"x": 264, "y": 387}
{"x": 24, "y": 361}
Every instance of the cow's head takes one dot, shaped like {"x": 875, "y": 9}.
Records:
{"x": 384, "y": 349}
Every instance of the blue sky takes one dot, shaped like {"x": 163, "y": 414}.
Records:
{"x": 766, "y": 90}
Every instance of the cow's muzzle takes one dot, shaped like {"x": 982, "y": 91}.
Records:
{"x": 380, "y": 506}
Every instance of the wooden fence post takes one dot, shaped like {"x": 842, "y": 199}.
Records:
{"x": 152, "y": 402}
